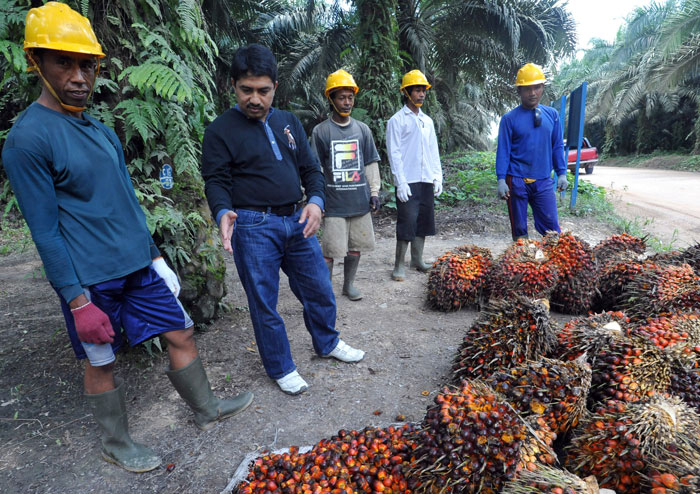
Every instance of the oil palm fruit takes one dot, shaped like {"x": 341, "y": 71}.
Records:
{"x": 523, "y": 269}
{"x": 660, "y": 291}
{"x": 537, "y": 448}
{"x": 623, "y": 442}
{"x": 369, "y": 460}
{"x": 552, "y": 389}
{"x": 469, "y": 442}
{"x": 506, "y": 334}
{"x": 589, "y": 334}
{"x": 615, "y": 245}
{"x": 459, "y": 277}
{"x": 681, "y": 330}
{"x": 549, "y": 480}
{"x": 630, "y": 369}
{"x": 614, "y": 277}
{"x": 576, "y": 285}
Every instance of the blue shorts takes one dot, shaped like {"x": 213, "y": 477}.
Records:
{"x": 140, "y": 303}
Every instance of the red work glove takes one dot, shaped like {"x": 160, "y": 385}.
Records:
{"x": 92, "y": 325}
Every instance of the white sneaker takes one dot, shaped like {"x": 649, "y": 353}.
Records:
{"x": 346, "y": 353}
{"x": 292, "y": 383}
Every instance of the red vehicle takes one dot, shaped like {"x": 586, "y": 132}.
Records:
{"x": 589, "y": 157}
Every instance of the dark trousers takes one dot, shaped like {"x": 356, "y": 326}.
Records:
{"x": 416, "y": 217}
{"x": 541, "y": 197}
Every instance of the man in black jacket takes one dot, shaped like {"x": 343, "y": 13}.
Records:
{"x": 255, "y": 161}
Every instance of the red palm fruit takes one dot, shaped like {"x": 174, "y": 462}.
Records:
{"x": 661, "y": 291}
{"x": 469, "y": 442}
{"x": 548, "y": 480}
{"x": 588, "y": 334}
{"x": 622, "y": 443}
{"x": 613, "y": 246}
{"x": 577, "y": 268}
{"x": 459, "y": 278}
{"x": 506, "y": 333}
{"x": 523, "y": 269}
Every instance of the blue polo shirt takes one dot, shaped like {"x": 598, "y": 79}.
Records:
{"x": 527, "y": 151}
{"x": 73, "y": 188}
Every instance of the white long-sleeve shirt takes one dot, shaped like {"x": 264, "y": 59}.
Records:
{"x": 413, "y": 148}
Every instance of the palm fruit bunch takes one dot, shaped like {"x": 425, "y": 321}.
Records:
{"x": 552, "y": 389}
{"x": 690, "y": 256}
{"x": 371, "y": 460}
{"x": 668, "y": 483}
{"x": 685, "y": 383}
{"x": 630, "y": 369}
{"x": 459, "y": 277}
{"x": 660, "y": 291}
{"x": 622, "y": 442}
{"x": 523, "y": 269}
{"x": 469, "y": 442}
{"x": 536, "y": 449}
{"x": 614, "y": 277}
{"x": 610, "y": 248}
{"x": 507, "y": 333}
{"x": 588, "y": 334}
{"x": 671, "y": 331}
{"x": 576, "y": 285}
{"x": 549, "y": 480}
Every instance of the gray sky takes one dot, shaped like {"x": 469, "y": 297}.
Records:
{"x": 601, "y": 18}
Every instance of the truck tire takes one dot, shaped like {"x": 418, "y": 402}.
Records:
{"x": 589, "y": 170}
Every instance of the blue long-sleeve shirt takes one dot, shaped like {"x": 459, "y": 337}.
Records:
{"x": 73, "y": 188}
{"x": 527, "y": 151}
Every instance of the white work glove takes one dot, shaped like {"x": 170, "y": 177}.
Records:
{"x": 562, "y": 183}
{"x": 167, "y": 274}
{"x": 403, "y": 192}
{"x": 437, "y": 187}
{"x": 503, "y": 190}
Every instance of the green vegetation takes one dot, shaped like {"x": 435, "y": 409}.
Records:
{"x": 166, "y": 77}
{"x": 644, "y": 87}
{"x": 469, "y": 177}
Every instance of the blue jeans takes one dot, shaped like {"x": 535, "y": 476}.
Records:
{"x": 262, "y": 244}
{"x": 541, "y": 196}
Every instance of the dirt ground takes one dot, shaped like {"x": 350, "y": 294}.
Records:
{"x": 50, "y": 441}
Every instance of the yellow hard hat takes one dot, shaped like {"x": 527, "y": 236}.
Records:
{"x": 414, "y": 78}
{"x": 529, "y": 75}
{"x": 55, "y": 26}
{"x": 338, "y": 79}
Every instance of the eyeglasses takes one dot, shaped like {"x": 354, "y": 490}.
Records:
{"x": 538, "y": 117}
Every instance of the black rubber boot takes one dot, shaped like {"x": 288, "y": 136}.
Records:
{"x": 329, "y": 265}
{"x": 349, "y": 272}
{"x": 399, "y": 274}
{"x": 109, "y": 410}
{"x": 417, "y": 255}
{"x": 192, "y": 384}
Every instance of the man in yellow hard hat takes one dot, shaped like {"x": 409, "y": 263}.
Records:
{"x": 69, "y": 177}
{"x": 415, "y": 164}
{"x": 349, "y": 159}
{"x": 530, "y": 145}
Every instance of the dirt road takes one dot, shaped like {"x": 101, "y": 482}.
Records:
{"x": 664, "y": 202}
{"x": 49, "y": 439}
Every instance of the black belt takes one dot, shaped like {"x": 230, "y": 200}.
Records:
{"x": 286, "y": 210}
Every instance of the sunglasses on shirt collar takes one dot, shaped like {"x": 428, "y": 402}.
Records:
{"x": 538, "y": 117}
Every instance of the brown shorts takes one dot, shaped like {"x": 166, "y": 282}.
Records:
{"x": 341, "y": 235}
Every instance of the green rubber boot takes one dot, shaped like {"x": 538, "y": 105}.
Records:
{"x": 399, "y": 274}
{"x": 417, "y": 255}
{"x": 193, "y": 386}
{"x": 329, "y": 265}
{"x": 109, "y": 410}
{"x": 349, "y": 271}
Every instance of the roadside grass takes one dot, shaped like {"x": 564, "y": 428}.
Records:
{"x": 14, "y": 236}
{"x": 658, "y": 159}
